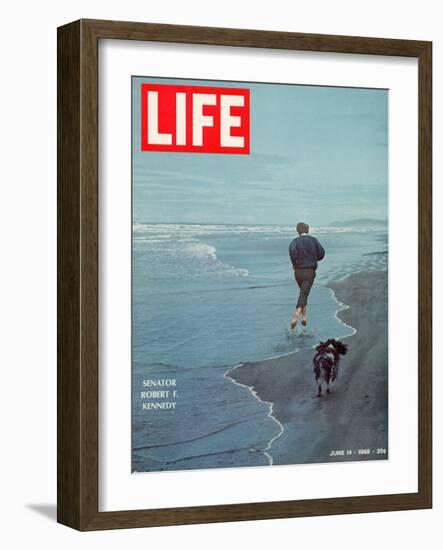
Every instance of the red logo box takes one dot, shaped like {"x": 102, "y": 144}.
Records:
{"x": 194, "y": 119}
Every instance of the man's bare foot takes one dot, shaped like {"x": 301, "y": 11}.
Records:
{"x": 304, "y": 322}
{"x": 293, "y": 323}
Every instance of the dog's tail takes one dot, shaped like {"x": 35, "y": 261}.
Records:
{"x": 340, "y": 347}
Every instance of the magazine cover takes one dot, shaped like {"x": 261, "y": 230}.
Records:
{"x": 259, "y": 274}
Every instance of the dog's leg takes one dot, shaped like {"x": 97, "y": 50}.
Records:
{"x": 328, "y": 390}
{"x": 319, "y": 390}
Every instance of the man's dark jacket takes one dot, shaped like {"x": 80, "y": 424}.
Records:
{"x": 305, "y": 251}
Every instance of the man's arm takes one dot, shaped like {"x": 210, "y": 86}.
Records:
{"x": 320, "y": 250}
{"x": 293, "y": 252}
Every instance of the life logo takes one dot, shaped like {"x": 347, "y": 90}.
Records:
{"x": 195, "y": 119}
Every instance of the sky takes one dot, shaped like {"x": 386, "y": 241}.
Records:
{"x": 318, "y": 154}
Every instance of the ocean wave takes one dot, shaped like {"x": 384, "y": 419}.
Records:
{"x": 174, "y": 230}
{"x": 206, "y": 255}
{"x": 188, "y": 257}
{"x": 202, "y": 250}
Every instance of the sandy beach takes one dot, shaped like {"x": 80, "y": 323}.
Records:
{"x": 355, "y": 415}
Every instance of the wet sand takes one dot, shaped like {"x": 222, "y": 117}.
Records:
{"x": 354, "y": 416}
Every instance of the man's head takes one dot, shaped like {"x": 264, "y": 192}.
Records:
{"x": 302, "y": 228}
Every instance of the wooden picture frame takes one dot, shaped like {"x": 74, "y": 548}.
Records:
{"x": 78, "y": 274}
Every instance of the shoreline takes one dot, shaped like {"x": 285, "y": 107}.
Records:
{"x": 342, "y": 307}
{"x": 270, "y": 415}
{"x": 354, "y": 416}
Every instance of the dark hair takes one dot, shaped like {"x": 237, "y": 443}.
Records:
{"x": 302, "y": 228}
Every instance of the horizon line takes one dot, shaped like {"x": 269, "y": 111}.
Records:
{"x": 330, "y": 224}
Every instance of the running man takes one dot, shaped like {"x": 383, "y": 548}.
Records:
{"x": 305, "y": 252}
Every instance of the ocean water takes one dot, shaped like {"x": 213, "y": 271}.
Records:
{"x": 206, "y": 298}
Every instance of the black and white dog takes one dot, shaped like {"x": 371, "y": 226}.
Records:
{"x": 326, "y": 362}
